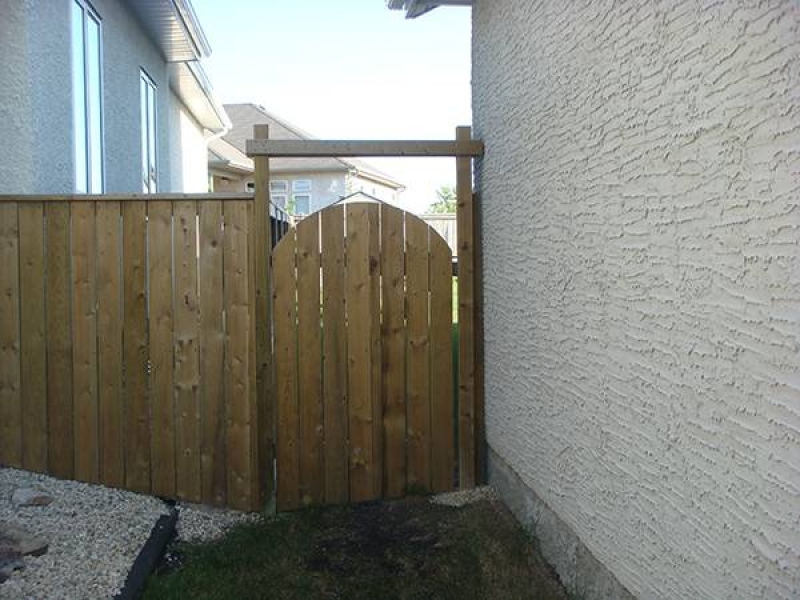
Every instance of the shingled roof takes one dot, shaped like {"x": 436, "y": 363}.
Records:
{"x": 245, "y": 116}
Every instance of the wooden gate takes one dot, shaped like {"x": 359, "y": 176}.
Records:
{"x": 363, "y": 357}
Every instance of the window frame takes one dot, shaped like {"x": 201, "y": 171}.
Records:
{"x": 294, "y": 200}
{"x": 91, "y": 179}
{"x": 146, "y": 84}
{"x": 301, "y": 186}
{"x": 280, "y": 186}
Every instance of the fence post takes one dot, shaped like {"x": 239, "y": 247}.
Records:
{"x": 263, "y": 325}
{"x": 468, "y": 442}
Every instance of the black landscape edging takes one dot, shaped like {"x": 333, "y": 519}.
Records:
{"x": 149, "y": 556}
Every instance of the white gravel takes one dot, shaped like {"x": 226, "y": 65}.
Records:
{"x": 463, "y": 497}
{"x": 95, "y": 533}
{"x": 198, "y": 523}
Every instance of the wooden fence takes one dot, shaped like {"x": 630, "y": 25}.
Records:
{"x": 127, "y": 343}
{"x": 136, "y": 345}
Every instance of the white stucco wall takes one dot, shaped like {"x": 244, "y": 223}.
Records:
{"x": 187, "y": 147}
{"x": 641, "y": 213}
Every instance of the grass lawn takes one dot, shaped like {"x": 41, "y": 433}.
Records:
{"x": 400, "y": 549}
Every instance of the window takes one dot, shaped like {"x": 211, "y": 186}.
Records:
{"x": 302, "y": 204}
{"x": 147, "y": 95}
{"x": 87, "y": 103}
{"x": 279, "y": 200}
{"x": 279, "y": 185}
{"x": 301, "y": 185}
{"x": 279, "y": 192}
{"x": 250, "y": 186}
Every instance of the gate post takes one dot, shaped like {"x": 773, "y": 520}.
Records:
{"x": 470, "y": 405}
{"x": 263, "y": 327}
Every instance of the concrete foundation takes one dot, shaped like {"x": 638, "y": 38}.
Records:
{"x": 581, "y": 573}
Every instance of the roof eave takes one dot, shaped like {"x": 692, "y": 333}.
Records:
{"x": 189, "y": 82}
{"x": 417, "y": 8}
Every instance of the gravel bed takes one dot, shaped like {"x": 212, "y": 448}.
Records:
{"x": 463, "y": 497}
{"x": 95, "y": 533}
{"x": 198, "y": 523}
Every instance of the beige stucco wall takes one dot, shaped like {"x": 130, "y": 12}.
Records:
{"x": 641, "y": 213}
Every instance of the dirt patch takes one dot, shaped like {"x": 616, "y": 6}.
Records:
{"x": 409, "y": 548}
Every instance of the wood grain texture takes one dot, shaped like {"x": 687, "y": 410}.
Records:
{"x": 393, "y": 355}
{"x": 84, "y": 343}
{"x": 135, "y": 347}
{"x": 186, "y": 344}
{"x": 10, "y": 385}
{"x": 239, "y": 456}
{"x": 376, "y": 379}
{"x": 58, "y": 283}
{"x": 466, "y": 316}
{"x": 418, "y": 351}
{"x": 212, "y": 347}
{"x": 312, "y": 476}
{"x": 109, "y": 342}
{"x": 32, "y": 334}
{"x": 160, "y": 340}
{"x": 334, "y": 336}
{"x": 359, "y": 355}
{"x": 285, "y": 331}
{"x": 443, "y": 465}
{"x": 261, "y": 245}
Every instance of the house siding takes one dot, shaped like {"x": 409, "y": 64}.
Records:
{"x": 36, "y": 84}
{"x": 640, "y": 206}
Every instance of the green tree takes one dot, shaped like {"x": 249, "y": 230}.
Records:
{"x": 446, "y": 202}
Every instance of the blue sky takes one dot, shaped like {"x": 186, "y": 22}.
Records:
{"x": 348, "y": 69}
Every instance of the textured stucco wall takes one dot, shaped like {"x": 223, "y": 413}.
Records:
{"x": 15, "y": 97}
{"x": 187, "y": 148}
{"x": 641, "y": 192}
{"x": 36, "y": 95}
{"x": 126, "y": 50}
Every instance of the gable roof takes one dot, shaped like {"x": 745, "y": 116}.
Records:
{"x": 245, "y": 116}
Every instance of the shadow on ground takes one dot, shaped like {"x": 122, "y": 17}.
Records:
{"x": 410, "y": 549}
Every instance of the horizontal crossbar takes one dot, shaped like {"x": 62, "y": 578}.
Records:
{"x": 345, "y": 148}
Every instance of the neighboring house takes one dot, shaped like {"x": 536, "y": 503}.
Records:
{"x": 640, "y": 200}
{"x": 301, "y": 185}
{"x": 104, "y": 96}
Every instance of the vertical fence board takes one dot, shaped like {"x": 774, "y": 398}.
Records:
{"x": 212, "y": 343}
{"x": 109, "y": 340}
{"x": 186, "y": 352}
{"x": 442, "y": 427}
{"x": 58, "y": 281}
{"x": 359, "y": 354}
{"x": 160, "y": 341}
{"x": 418, "y": 346}
{"x": 32, "y": 334}
{"x": 257, "y": 496}
{"x": 10, "y": 389}
{"x": 285, "y": 331}
{"x": 334, "y": 337}
{"x": 312, "y": 475}
{"x": 393, "y": 354}
{"x": 135, "y": 348}
{"x": 237, "y": 356}
{"x": 466, "y": 315}
{"x": 84, "y": 343}
{"x": 376, "y": 379}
